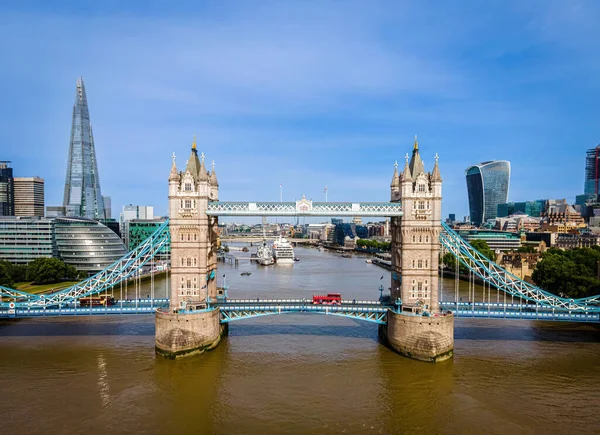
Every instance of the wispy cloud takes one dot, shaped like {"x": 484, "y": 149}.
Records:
{"x": 303, "y": 92}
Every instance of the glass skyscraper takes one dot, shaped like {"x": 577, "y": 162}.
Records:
{"x": 7, "y": 189}
{"x": 592, "y": 171}
{"x": 487, "y": 186}
{"x": 82, "y": 195}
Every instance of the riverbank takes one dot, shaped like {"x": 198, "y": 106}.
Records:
{"x": 32, "y": 288}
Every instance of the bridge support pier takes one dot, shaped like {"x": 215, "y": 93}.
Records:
{"x": 179, "y": 334}
{"x": 424, "y": 338}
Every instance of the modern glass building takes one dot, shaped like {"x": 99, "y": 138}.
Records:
{"x": 83, "y": 243}
{"x": 531, "y": 208}
{"x": 592, "y": 171}
{"x": 23, "y": 240}
{"x": 138, "y": 230}
{"x": 496, "y": 240}
{"x": 7, "y": 192}
{"x": 86, "y": 244}
{"x": 487, "y": 186}
{"x": 82, "y": 195}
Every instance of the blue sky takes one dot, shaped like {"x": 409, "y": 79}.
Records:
{"x": 304, "y": 93}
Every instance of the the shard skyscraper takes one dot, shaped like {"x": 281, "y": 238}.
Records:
{"x": 82, "y": 187}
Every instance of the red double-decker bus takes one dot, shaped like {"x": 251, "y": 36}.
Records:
{"x": 329, "y": 299}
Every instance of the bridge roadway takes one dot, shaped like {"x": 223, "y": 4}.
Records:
{"x": 371, "y": 311}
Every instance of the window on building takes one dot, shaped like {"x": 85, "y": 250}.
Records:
{"x": 427, "y": 205}
{"x": 189, "y": 262}
{"x": 421, "y": 187}
{"x": 420, "y": 239}
{"x": 189, "y": 283}
{"x": 420, "y": 264}
{"x": 413, "y": 264}
{"x": 188, "y": 203}
{"x": 188, "y": 187}
{"x": 421, "y": 205}
{"x": 414, "y": 238}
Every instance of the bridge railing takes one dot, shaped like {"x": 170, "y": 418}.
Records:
{"x": 505, "y": 281}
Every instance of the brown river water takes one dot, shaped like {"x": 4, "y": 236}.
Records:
{"x": 297, "y": 373}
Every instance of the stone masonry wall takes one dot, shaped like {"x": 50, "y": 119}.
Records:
{"x": 184, "y": 334}
{"x": 420, "y": 337}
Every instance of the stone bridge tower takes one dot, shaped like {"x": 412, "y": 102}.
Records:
{"x": 417, "y": 328}
{"x": 190, "y": 324}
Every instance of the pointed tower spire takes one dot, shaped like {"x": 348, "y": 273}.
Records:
{"x": 395, "y": 177}
{"x": 416, "y": 164}
{"x": 202, "y": 172}
{"x": 174, "y": 175}
{"x": 193, "y": 165}
{"x": 435, "y": 175}
{"x": 406, "y": 174}
{"x": 213, "y": 175}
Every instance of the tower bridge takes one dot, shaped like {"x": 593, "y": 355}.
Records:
{"x": 417, "y": 322}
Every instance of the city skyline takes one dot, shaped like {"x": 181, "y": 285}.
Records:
{"x": 273, "y": 107}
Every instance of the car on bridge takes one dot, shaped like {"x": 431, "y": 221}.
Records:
{"x": 329, "y": 299}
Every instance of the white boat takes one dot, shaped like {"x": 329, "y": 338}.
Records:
{"x": 283, "y": 251}
{"x": 264, "y": 255}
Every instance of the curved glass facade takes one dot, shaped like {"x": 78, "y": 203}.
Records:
{"x": 86, "y": 244}
{"x": 487, "y": 186}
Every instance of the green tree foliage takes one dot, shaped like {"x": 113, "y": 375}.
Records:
{"x": 526, "y": 250}
{"x": 5, "y": 276}
{"x": 373, "y": 244}
{"x": 572, "y": 274}
{"x": 50, "y": 271}
{"x": 484, "y": 249}
{"x": 449, "y": 261}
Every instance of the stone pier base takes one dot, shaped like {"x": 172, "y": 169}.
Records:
{"x": 422, "y": 338}
{"x": 179, "y": 334}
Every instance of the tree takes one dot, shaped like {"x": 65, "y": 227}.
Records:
{"x": 484, "y": 249}
{"x": 5, "y": 278}
{"x": 571, "y": 274}
{"x": 49, "y": 271}
{"x": 526, "y": 250}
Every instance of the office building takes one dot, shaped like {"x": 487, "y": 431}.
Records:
{"x": 592, "y": 171}
{"x": 86, "y": 244}
{"x": 531, "y": 208}
{"x": 496, "y": 240}
{"x": 7, "y": 198}
{"x": 83, "y": 243}
{"x": 29, "y": 196}
{"x": 82, "y": 195}
{"x": 131, "y": 212}
{"x": 106, "y": 200}
{"x": 487, "y": 186}
{"x": 23, "y": 240}
{"x": 136, "y": 231}
{"x": 54, "y": 211}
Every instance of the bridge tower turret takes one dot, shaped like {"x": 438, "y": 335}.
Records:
{"x": 190, "y": 324}
{"x": 415, "y": 260}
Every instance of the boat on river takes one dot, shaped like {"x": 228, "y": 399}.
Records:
{"x": 283, "y": 252}
{"x": 264, "y": 255}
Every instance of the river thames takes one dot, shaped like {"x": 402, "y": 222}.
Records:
{"x": 297, "y": 373}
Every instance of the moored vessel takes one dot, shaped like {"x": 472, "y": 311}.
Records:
{"x": 283, "y": 252}
{"x": 264, "y": 255}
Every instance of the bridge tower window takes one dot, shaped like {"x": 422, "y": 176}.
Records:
{"x": 421, "y": 205}
{"x": 188, "y": 187}
{"x": 420, "y": 239}
{"x": 188, "y": 203}
{"x": 189, "y": 262}
{"x": 422, "y": 187}
{"x": 414, "y": 238}
{"x": 420, "y": 264}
